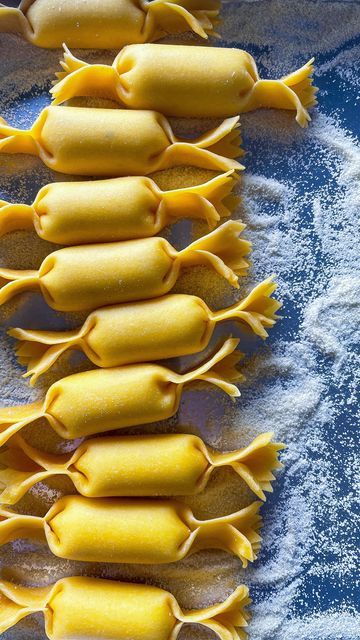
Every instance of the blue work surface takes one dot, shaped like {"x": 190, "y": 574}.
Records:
{"x": 300, "y": 201}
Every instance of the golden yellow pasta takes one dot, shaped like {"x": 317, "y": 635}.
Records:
{"x": 84, "y": 608}
{"x": 107, "y": 24}
{"x": 145, "y": 465}
{"x": 116, "y": 209}
{"x": 167, "y": 327}
{"x": 91, "y": 276}
{"x": 134, "y": 531}
{"x": 118, "y": 142}
{"x": 106, "y": 399}
{"x": 175, "y": 80}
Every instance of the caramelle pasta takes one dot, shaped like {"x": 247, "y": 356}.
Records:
{"x": 116, "y": 209}
{"x": 118, "y": 142}
{"x": 90, "y": 276}
{"x": 83, "y": 608}
{"x": 147, "y": 465}
{"x": 106, "y": 24}
{"x": 175, "y": 80}
{"x": 134, "y": 531}
{"x": 106, "y": 399}
{"x": 166, "y": 327}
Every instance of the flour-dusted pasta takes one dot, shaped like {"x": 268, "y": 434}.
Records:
{"x": 116, "y": 209}
{"x": 134, "y": 531}
{"x": 90, "y": 276}
{"x": 167, "y": 327}
{"x": 145, "y": 465}
{"x": 84, "y": 608}
{"x": 106, "y": 399}
{"x": 107, "y": 24}
{"x": 175, "y": 80}
{"x": 118, "y": 142}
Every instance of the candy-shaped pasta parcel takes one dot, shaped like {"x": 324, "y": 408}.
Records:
{"x": 106, "y": 24}
{"x": 134, "y": 531}
{"x": 106, "y": 399}
{"x": 116, "y": 209}
{"x": 175, "y": 80}
{"x": 118, "y": 142}
{"x": 128, "y": 466}
{"x": 167, "y": 327}
{"x": 91, "y": 276}
{"x": 84, "y": 608}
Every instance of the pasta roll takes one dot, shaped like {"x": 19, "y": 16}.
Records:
{"x": 175, "y": 80}
{"x": 116, "y": 209}
{"x": 107, "y": 24}
{"x": 83, "y": 608}
{"x": 134, "y": 531}
{"x": 129, "y": 466}
{"x": 105, "y": 399}
{"x": 91, "y": 276}
{"x": 167, "y": 327}
{"x": 116, "y": 142}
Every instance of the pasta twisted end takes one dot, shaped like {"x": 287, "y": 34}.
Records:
{"x": 211, "y": 200}
{"x": 226, "y": 619}
{"x": 257, "y": 310}
{"x": 13, "y": 281}
{"x": 13, "y": 140}
{"x": 200, "y": 16}
{"x": 12, "y": 20}
{"x": 293, "y": 92}
{"x": 254, "y": 464}
{"x": 223, "y": 249}
{"x": 13, "y": 419}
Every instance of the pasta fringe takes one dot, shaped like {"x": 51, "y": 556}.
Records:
{"x": 22, "y": 466}
{"x": 78, "y": 78}
{"x": 215, "y": 149}
{"x": 17, "y": 602}
{"x": 226, "y": 619}
{"x": 13, "y": 140}
{"x": 15, "y": 216}
{"x": 237, "y": 533}
{"x": 12, "y": 20}
{"x": 294, "y": 91}
{"x": 13, "y": 419}
{"x": 13, "y": 281}
{"x": 222, "y": 249}
{"x": 211, "y": 200}
{"x": 14, "y": 526}
{"x": 219, "y": 370}
{"x": 258, "y": 309}
{"x": 168, "y": 17}
{"x": 39, "y": 350}
{"x": 254, "y": 464}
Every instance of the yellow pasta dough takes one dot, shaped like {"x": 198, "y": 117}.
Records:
{"x": 90, "y": 276}
{"x": 175, "y": 80}
{"x": 116, "y": 209}
{"x": 134, "y": 531}
{"x": 105, "y": 399}
{"x": 145, "y": 465}
{"x": 167, "y": 327}
{"x": 118, "y": 142}
{"x": 85, "y": 608}
{"x": 106, "y": 24}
